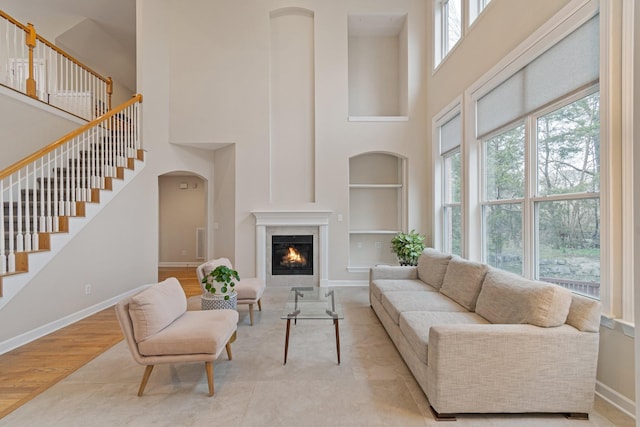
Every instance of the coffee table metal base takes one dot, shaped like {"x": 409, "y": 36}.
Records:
{"x": 286, "y": 339}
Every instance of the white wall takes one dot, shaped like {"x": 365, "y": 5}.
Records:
{"x": 114, "y": 253}
{"x": 29, "y": 126}
{"x": 224, "y": 205}
{"x": 225, "y": 98}
{"x": 636, "y": 195}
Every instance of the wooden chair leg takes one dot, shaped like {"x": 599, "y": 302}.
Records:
{"x": 145, "y": 379}
{"x": 251, "y": 313}
{"x": 260, "y": 304}
{"x": 209, "y": 368}
{"x": 228, "y": 347}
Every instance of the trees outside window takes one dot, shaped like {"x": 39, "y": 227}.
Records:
{"x": 452, "y": 210}
{"x": 560, "y": 212}
{"x": 567, "y": 203}
{"x": 452, "y": 21}
{"x": 504, "y": 190}
{"x": 448, "y": 27}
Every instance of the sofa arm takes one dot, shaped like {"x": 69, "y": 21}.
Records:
{"x": 393, "y": 272}
{"x": 511, "y": 368}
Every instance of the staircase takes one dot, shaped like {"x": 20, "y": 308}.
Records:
{"x": 40, "y": 194}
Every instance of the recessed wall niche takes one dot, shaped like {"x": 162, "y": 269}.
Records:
{"x": 378, "y": 57}
{"x": 292, "y": 106}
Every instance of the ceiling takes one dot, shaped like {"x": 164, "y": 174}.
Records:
{"x": 53, "y": 18}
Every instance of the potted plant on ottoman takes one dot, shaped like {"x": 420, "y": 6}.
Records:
{"x": 220, "y": 283}
{"x": 408, "y": 247}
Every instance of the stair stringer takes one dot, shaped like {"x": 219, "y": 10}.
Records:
{"x": 12, "y": 285}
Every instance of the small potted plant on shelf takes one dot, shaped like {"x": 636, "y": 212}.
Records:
{"x": 220, "y": 283}
{"x": 408, "y": 247}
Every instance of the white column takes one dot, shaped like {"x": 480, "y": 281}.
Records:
{"x": 261, "y": 252}
{"x": 323, "y": 246}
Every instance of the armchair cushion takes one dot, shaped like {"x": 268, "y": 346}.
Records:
{"x": 156, "y": 307}
{"x": 250, "y": 288}
{"x": 192, "y": 333}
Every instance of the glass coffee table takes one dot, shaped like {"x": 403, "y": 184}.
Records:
{"x": 312, "y": 303}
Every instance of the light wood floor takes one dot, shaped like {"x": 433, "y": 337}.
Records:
{"x": 32, "y": 368}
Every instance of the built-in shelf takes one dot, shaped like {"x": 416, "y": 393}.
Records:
{"x": 377, "y": 206}
{"x": 378, "y": 67}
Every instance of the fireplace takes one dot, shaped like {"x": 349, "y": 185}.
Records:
{"x": 292, "y": 255}
{"x": 280, "y": 223}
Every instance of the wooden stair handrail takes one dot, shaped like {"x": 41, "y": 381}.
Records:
{"x": 49, "y": 148}
{"x": 54, "y": 47}
{"x": 13, "y": 20}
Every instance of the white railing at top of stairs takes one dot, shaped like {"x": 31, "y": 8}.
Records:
{"x": 36, "y": 67}
{"x": 47, "y": 185}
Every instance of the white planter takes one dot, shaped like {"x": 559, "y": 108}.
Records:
{"x": 217, "y": 301}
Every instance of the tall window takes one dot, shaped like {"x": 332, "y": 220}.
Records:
{"x": 450, "y": 136}
{"x": 451, "y": 203}
{"x": 475, "y": 8}
{"x": 567, "y": 199}
{"x": 504, "y": 192}
{"x": 559, "y": 213}
{"x": 448, "y": 26}
{"x": 452, "y": 24}
{"x": 451, "y": 18}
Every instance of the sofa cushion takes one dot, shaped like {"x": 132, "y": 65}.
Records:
{"x": 432, "y": 266}
{"x": 584, "y": 314}
{"x": 379, "y": 286}
{"x": 195, "y": 332}
{"x": 154, "y": 308}
{"x": 415, "y": 326}
{"x": 508, "y": 298}
{"x": 395, "y": 303}
{"x": 463, "y": 280}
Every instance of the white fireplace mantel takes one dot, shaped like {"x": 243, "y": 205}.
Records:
{"x": 266, "y": 219}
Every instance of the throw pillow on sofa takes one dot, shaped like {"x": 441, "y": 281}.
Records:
{"x": 463, "y": 281}
{"x": 509, "y": 298}
{"x": 432, "y": 266}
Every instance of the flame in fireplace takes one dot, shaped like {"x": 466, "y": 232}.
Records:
{"x": 293, "y": 257}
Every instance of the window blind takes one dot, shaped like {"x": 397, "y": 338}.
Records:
{"x": 451, "y": 134}
{"x": 570, "y": 64}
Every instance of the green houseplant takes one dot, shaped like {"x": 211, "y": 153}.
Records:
{"x": 408, "y": 247}
{"x": 220, "y": 283}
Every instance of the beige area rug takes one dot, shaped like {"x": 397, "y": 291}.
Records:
{"x": 372, "y": 386}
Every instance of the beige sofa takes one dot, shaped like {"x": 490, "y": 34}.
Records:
{"x": 481, "y": 340}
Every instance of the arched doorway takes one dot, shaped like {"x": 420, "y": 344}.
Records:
{"x": 182, "y": 198}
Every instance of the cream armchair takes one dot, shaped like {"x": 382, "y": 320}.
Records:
{"x": 249, "y": 290}
{"x": 158, "y": 329}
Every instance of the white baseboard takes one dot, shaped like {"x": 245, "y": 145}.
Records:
{"x": 621, "y": 402}
{"x": 34, "y": 334}
{"x": 179, "y": 264}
